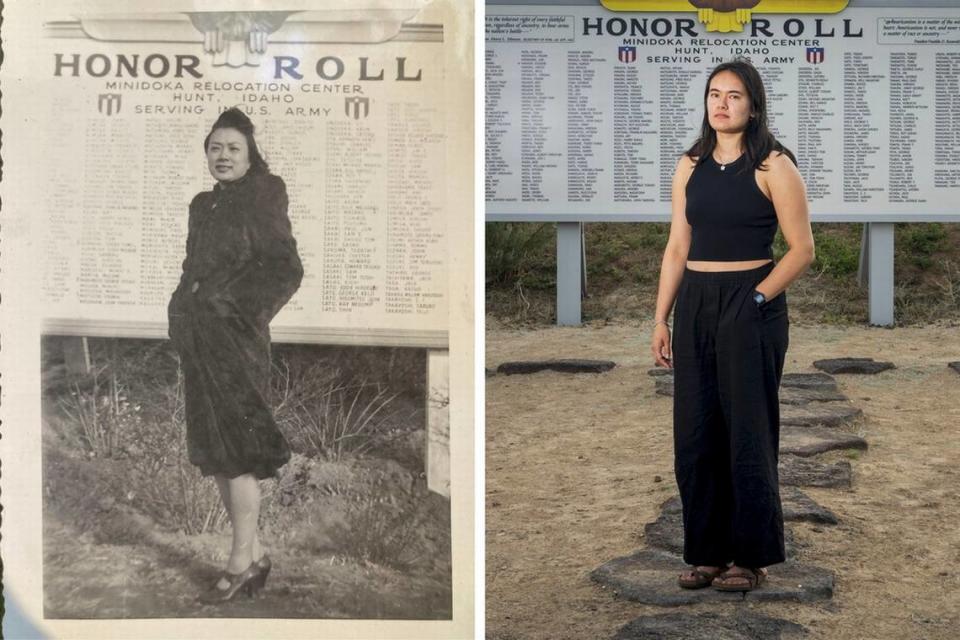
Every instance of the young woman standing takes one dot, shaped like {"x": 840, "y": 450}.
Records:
{"x": 730, "y": 191}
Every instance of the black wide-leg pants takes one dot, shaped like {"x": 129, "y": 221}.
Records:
{"x": 728, "y": 358}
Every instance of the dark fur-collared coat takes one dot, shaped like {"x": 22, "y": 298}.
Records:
{"x": 241, "y": 267}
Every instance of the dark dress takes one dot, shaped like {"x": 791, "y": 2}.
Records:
{"x": 241, "y": 268}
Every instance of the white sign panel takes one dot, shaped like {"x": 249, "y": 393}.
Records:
{"x": 588, "y": 110}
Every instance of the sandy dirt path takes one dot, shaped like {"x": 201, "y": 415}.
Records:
{"x": 572, "y": 467}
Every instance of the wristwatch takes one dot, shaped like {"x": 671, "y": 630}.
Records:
{"x": 759, "y": 298}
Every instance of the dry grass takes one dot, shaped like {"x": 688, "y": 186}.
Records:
{"x": 97, "y": 412}
{"x": 387, "y": 533}
{"x": 326, "y": 417}
{"x": 130, "y": 410}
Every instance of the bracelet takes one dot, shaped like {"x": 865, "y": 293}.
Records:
{"x": 664, "y": 322}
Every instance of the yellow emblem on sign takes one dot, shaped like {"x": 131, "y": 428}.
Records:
{"x": 728, "y": 15}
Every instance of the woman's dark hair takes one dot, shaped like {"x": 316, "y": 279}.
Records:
{"x": 234, "y": 118}
{"x": 758, "y": 141}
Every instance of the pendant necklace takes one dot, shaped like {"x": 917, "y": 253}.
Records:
{"x": 723, "y": 165}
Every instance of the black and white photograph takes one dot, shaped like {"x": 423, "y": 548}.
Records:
{"x": 238, "y": 240}
{"x": 344, "y": 527}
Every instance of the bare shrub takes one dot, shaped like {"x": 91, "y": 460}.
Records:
{"x": 948, "y": 284}
{"x": 386, "y": 533}
{"x": 98, "y": 412}
{"x": 167, "y": 486}
{"x": 325, "y": 417}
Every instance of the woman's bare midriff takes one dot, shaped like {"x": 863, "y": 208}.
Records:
{"x": 737, "y": 265}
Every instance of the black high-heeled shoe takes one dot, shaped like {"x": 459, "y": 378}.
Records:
{"x": 264, "y": 565}
{"x": 248, "y": 582}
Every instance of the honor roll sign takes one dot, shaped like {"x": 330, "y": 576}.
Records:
{"x": 349, "y": 105}
{"x": 588, "y": 108}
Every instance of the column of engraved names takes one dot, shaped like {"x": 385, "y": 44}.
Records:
{"x": 111, "y": 216}
{"x": 675, "y": 131}
{"x": 633, "y": 129}
{"x": 534, "y": 130}
{"x": 813, "y": 129}
{"x": 416, "y": 253}
{"x": 497, "y": 125}
{"x": 777, "y": 97}
{"x": 165, "y": 203}
{"x": 905, "y": 111}
{"x": 296, "y": 154}
{"x": 584, "y": 121}
{"x": 352, "y": 217}
{"x": 63, "y": 213}
{"x": 946, "y": 173}
{"x": 859, "y": 133}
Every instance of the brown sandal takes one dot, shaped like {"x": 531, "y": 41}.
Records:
{"x": 745, "y": 579}
{"x": 697, "y": 578}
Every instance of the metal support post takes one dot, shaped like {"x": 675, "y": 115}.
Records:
{"x": 876, "y": 259}
{"x": 569, "y": 273}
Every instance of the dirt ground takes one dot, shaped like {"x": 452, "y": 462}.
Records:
{"x": 573, "y": 462}
{"x": 103, "y": 558}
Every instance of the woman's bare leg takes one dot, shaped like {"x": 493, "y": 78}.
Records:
{"x": 245, "y": 510}
{"x": 224, "y": 486}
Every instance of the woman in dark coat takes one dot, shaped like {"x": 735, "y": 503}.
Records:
{"x": 241, "y": 268}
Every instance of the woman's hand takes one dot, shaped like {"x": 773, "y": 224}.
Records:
{"x": 660, "y": 346}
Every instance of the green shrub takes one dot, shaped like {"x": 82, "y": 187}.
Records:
{"x": 654, "y": 236}
{"x": 835, "y": 254}
{"x": 517, "y": 253}
{"x": 779, "y": 245}
{"x": 920, "y": 241}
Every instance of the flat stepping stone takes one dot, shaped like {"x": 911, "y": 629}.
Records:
{"x": 809, "y": 381}
{"x": 660, "y": 371}
{"x": 799, "y": 507}
{"x": 672, "y": 505}
{"x": 809, "y": 441}
{"x": 568, "y": 365}
{"x": 852, "y": 365}
{"x": 795, "y": 395}
{"x": 743, "y": 625}
{"x": 664, "y": 385}
{"x": 649, "y": 576}
{"x": 666, "y": 532}
{"x": 806, "y": 395}
{"x": 802, "y": 472}
{"x": 827, "y": 414}
{"x": 954, "y": 365}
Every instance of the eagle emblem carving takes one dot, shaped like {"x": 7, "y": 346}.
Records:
{"x": 237, "y": 38}
{"x": 724, "y": 15}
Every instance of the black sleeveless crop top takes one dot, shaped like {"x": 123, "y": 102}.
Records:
{"x": 730, "y": 216}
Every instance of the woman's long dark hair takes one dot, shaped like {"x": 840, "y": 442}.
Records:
{"x": 234, "y": 118}
{"x": 758, "y": 141}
